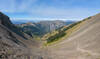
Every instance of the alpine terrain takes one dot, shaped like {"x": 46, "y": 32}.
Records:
{"x": 79, "y": 40}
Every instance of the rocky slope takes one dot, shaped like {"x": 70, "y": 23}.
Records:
{"x": 4, "y": 20}
{"x": 13, "y": 43}
{"x": 82, "y": 43}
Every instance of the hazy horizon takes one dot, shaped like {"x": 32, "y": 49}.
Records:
{"x": 49, "y": 9}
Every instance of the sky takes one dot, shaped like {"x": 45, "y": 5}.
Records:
{"x": 49, "y": 9}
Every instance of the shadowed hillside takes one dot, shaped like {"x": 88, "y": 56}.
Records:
{"x": 13, "y": 43}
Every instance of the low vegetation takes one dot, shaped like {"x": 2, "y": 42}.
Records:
{"x": 62, "y": 33}
{"x": 56, "y": 36}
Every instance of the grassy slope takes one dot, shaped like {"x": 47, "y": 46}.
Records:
{"x": 66, "y": 29}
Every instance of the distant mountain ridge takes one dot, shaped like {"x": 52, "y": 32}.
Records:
{"x": 35, "y": 21}
{"x": 42, "y": 27}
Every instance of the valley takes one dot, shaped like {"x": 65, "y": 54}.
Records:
{"x": 57, "y": 39}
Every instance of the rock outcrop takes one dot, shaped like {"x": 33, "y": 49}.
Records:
{"x": 12, "y": 43}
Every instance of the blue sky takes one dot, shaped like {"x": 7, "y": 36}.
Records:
{"x": 49, "y": 9}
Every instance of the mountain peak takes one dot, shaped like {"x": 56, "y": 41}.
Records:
{"x": 4, "y": 20}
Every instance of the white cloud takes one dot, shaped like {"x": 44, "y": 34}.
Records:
{"x": 38, "y": 19}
